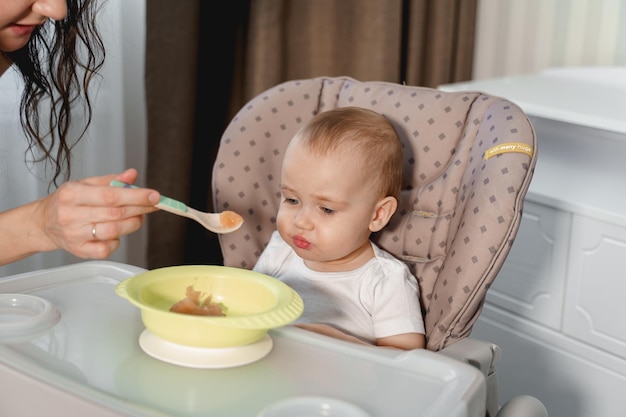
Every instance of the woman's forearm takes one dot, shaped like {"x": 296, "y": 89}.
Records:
{"x": 21, "y": 233}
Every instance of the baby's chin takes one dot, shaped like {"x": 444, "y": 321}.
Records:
{"x": 328, "y": 265}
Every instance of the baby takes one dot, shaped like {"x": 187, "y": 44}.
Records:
{"x": 340, "y": 181}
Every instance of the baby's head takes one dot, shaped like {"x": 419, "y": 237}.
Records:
{"x": 340, "y": 181}
{"x": 366, "y": 138}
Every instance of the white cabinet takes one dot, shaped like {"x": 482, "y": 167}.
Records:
{"x": 535, "y": 271}
{"x": 558, "y": 311}
{"x": 558, "y": 307}
{"x": 595, "y": 302}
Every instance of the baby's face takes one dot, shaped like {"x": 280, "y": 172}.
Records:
{"x": 326, "y": 209}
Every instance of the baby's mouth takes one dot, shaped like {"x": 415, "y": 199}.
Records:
{"x": 301, "y": 242}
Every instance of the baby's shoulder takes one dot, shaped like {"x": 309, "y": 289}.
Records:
{"x": 385, "y": 256}
{"x": 389, "y": 264}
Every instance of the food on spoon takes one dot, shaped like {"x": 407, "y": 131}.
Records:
{"x": 230, "y": 219}
{"x": 192, "y": 304}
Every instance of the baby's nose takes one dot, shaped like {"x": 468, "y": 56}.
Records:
{"x": 302, "y": 219}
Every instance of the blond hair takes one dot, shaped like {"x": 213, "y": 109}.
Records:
{"x": 366, "y": 134}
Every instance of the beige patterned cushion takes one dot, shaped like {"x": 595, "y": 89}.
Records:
{"x": 459, "y": 212}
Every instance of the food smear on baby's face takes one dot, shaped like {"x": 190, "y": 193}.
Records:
{"x": 192, "y": 304}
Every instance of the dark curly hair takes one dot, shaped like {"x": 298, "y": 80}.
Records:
{"x": 58, "y": 65}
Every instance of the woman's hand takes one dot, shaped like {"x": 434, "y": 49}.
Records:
{"x": 86, "y": 218}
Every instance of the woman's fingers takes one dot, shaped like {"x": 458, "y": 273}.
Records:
{"x": 96, "y": 240}
{"x": 116, "y": 229}
{"x": 88, "y": 217}
{"x": 129, "y": 176}
{"x": 95, "y": 192}
{"x": 114, "y": 195}
{"x": 75, "y": 205}
{"x": 97, "y": 249}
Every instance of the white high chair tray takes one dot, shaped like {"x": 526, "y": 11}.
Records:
{"x": 90, "y": 363}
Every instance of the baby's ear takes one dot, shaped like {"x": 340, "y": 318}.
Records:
{"x": 383, "y": 212}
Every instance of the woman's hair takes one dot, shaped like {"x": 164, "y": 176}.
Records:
{"x": 365, "y": 134}
{"x": 58, "y": 65}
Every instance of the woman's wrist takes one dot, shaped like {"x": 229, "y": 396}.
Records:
{"x": 23, "y": 233}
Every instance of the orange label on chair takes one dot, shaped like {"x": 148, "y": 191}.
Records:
{"x": 509, "y": 147}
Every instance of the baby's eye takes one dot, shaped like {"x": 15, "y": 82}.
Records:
{"x": 327, "y": 210}
{"x": 291, "y": 201}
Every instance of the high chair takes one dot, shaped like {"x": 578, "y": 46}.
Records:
{"x": 468, "y": 161}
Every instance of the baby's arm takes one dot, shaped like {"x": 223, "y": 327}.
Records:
{"x": 406, "y": 341}
{"x": 330, "y": 331}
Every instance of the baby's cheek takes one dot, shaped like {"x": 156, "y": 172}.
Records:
{"x": 281, "y": 220}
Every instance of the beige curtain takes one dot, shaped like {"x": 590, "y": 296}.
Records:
{"x": 417, "y": 42}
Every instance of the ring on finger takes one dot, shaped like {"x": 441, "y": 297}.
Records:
{"x": 93, "y": 232}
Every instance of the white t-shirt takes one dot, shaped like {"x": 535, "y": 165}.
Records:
{"x": 378, "y": 299}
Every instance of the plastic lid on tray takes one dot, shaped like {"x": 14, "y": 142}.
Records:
{"x": 312, "y": 407}
{"x": 24, "y": 317}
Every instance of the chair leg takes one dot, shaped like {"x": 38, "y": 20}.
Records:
{"x": 523, "y": 406}
{"x": 492, "y": 394}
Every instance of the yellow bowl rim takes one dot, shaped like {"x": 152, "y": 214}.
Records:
{"x": 289, "y": 307}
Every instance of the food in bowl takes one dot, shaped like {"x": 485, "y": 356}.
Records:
{"x": 192, "y": 304}
{"x": 256, "y": 303}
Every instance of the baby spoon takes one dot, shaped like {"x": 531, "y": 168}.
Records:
{"x": 224, "y": 222}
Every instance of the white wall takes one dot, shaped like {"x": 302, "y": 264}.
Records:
{"x": 525, "y": 36}
{"x": 116, "y": 139}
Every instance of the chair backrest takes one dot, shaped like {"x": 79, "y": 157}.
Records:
{"x": 469, "y": 159}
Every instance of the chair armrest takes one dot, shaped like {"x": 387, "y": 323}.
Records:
{"x": 482, "y": 355}
{"x": 485, "y": 356}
